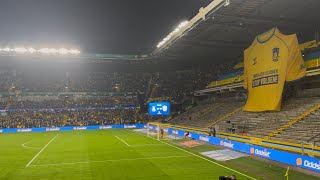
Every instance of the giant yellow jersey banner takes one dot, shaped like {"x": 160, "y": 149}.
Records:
{"x": 272, "y": 59}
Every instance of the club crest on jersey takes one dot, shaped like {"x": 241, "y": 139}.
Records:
{"x": 275, "y": 54}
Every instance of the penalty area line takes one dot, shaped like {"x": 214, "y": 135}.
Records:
{"x": 196, "y": 155}
{"x": 122, "y": 141}
{"x": 42, "y": 150}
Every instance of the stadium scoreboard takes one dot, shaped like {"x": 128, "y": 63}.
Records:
{"x": 159, "y": 108}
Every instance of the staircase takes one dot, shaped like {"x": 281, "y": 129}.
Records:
{"x": 302, "y": 116}
{"x": 225, "y": 117}
{"x": 261, "y": 124}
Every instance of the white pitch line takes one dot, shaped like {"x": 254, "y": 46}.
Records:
{"x": 199, "y": 156}
{"x": 122, "y": 141}
{"x": 41, "y": 150}
{"x": 136, "y": 145}
{"x": 104, "y": 161}
{"x": 24, "y": 145}
{"x": 144, "y": 145}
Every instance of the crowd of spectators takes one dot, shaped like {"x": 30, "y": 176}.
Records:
{"x": 50, "y": 118}
{"x": 173, "y": 85}
{"x": 81, "y": 103}
{"x": 69, "y": 112}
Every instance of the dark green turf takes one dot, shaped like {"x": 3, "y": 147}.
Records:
{"x": 101, "y": 155}
{"x": 260, "y": 167}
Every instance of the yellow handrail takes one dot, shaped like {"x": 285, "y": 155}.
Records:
{"x": 225, "y": 117}
{"x": 249, "y": 139}
{"x": 292, "y": 122}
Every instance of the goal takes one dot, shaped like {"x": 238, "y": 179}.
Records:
{"x": 160, "y": 131}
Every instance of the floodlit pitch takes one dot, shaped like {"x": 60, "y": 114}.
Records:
{"x": 104, "y": 154}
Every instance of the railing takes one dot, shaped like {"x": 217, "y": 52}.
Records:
{"x": 292, "y": 122}
{"x": 225, "y": 116}
{"x": 275, "y": 144}
{"x": 313, "y": 141}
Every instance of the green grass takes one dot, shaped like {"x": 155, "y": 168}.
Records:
{"x": 260, "y": 167}
{"x": 102, "y": 154}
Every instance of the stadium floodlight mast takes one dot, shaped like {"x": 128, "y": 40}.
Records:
{"x": 49, "y": 51}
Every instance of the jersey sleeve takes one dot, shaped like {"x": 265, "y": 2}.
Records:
{"x": 296, "y": 68}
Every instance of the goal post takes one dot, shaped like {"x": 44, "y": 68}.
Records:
{"x": 157, "y": 130}
{"x": 160, "y": 131}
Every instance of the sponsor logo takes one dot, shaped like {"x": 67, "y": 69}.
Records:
{"x": 165, "y": 130}
{"x": 263, "y": 153}
{"x": 52, "y": 129}
{"x": 1, "y": 130}
{"x": 202, "y": 138}
{"x": 299, "y": 161}
{"x": 130, "y": 126}
{"x": 105, "y": 127}
{"x": 227, "y": 144}
{"x": 306, "y": 163}
{"x": 25, "y": 130}
{"x": 80, "y": 128}
{"x": 174, "y": 132}
{"x": 145, "y": 126}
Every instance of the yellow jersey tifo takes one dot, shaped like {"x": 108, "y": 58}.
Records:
{"x": 272, "y": 59}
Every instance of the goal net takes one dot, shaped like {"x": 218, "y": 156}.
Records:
{"x": 160, "y": 131}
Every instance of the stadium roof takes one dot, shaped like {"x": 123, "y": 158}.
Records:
{"x": 224, "y": 34}
{"x": 221, "y": 33}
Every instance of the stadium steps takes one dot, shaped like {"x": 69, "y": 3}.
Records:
{"x": 301, "y": 131}
{"x": 210, "y": 109}
{"x": 260, "y": 124}
{"x": 189, "y": 115}
{"x": 225, "y": 117}
{"x": 292, "y": 122}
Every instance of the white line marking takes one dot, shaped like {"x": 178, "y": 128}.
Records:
{"x": 136, "y": 145}
{"x": 110, "y": 160}
{"x": 24, "y": 145}
{"x": 41, "y": 150}
{"x": 144, "y": 145}
{"x": 122, "y": 141}
{"x": 198, "y": 156}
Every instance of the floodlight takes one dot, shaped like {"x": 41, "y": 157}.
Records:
{"x": 31, "y": 50}
{"x": 20, "y": 50}
{"x": 6, "y": 49}
{"x": 63, "y": 51}
{"x": 175, "y": 31}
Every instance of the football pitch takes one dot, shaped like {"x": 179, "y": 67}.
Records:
{"x": 103, "y": 154}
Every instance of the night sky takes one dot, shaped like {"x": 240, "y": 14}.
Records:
{"x": 94, "y": 26}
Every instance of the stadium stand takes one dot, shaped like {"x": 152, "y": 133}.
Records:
{"x": 203, "y": 116}
{"x": 302, "y": 131}
{"x": 260, "y": 124}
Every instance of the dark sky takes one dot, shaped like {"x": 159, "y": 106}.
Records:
{"x": 95, "y": 26}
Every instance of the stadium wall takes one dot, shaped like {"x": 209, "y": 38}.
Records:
{"x": 301, "y": 161}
